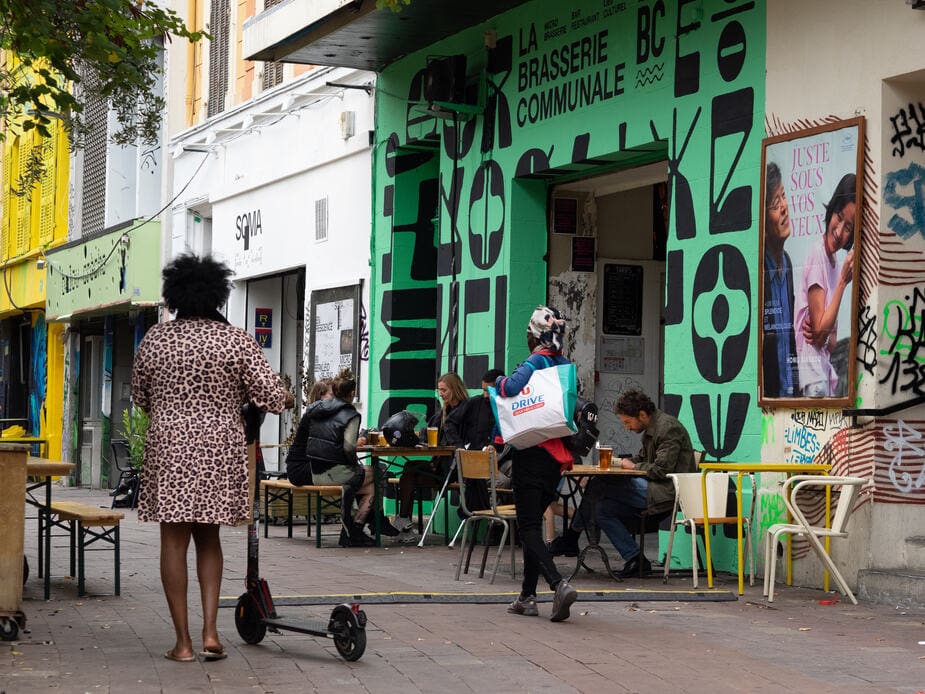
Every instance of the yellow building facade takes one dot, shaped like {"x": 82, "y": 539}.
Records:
{"x": 33, "y": 221}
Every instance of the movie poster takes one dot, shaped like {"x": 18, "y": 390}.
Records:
{"x": 812, "y": 181}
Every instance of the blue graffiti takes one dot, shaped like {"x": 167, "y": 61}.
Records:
{"x": 39, "y": 358}
{"x": 914, "y": 176}
{"x": 805, "y": 441}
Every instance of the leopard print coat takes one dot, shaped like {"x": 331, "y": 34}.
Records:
{"x": 192, "y": 376}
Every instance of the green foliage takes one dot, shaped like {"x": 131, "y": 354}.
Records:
{"x": 394, "y": 5}
{"x": 135, "y": 425}
{"x": 68, "y": 53}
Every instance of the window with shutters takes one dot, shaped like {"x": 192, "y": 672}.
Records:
{"x": 272, "y": 71}
{"x": 49, "y": 188}
{"x": 321, "y": 219}
{"x": 23, "y": 202}
{"x": 9, "y": 151}
{"x": 220, "y": 29}
{"x": 94, "y": 169}
{"x": 272, "y": 75}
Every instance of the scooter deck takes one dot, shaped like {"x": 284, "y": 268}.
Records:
{"x": 313, "y": 627}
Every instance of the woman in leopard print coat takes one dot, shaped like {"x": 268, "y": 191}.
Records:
{"x": 192, "y": 375}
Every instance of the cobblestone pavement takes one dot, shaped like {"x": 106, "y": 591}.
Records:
{"x": 104, "y": 643}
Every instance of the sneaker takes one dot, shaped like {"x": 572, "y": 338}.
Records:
{"x": 385, "y": 528}
{"x": 563, "y": 546}
{"x": 524, "y": 606}
{"x": 564, "y": 598}
{"x": 407, "y": 537}
{"x": 402, "y": 524}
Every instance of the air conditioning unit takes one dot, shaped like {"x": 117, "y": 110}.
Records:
{"x": 445, "y": 79}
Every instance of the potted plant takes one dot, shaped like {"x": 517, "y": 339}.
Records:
{"x": 135, "y": 428}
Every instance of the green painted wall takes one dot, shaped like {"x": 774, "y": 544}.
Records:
{"x": 570, "y": 90}
{"x": 106, "y": 273}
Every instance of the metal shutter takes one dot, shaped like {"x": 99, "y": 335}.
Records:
{"x": 321, "y": 219}
{"x": 94, "y": 169}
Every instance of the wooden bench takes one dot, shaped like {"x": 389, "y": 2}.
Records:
{"x": 327, "y": 498}
{"x": 86, "y": 525}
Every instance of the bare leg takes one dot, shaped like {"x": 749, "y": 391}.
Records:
{"x": 364, "y": 498}
{"x": 209, "y": 565}
{"x": 174, "y": 545}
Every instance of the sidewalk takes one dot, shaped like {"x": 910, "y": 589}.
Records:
{"x": 104, "y": 643}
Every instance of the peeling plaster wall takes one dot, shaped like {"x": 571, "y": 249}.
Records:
{"x": 575, "y": 294}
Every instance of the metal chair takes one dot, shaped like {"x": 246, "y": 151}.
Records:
{"x": 482, "y": 465}
{"x": 125, "y": 494}
{"x": 849, "y": 488}
{"x": 689, "y": 501}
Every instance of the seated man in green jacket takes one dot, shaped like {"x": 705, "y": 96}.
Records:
{"x": 666, "y": 448}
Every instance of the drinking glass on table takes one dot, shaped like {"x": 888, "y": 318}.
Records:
{"x": 604, "y": 457}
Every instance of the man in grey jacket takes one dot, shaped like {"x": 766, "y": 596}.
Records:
{"x": 666, "y": 448}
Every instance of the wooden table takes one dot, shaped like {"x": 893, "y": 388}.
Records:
{"x": 28, "y": 440}
{"x": 741, "y": 469}
{"x": 403, "y": 453}
{"x": 574, "y": 478}
{"x": 44, "y": 469}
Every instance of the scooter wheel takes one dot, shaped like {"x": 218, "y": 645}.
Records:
{"x": 247, "y": 620}
{"x": 9, "y": 629}
{"x": 349, "y": 636}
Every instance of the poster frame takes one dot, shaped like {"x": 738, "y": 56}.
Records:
{"x": 784, "y": 147}
{"x": 327, "y": 296}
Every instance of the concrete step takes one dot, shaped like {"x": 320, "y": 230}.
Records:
{"x": 901, "y": 587}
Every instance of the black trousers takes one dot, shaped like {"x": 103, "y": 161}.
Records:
{"x": 534, "y": 479}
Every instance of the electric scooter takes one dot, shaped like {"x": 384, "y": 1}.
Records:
{"x": 255, "y": 612}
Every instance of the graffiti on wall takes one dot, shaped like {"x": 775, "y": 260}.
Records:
{"x": 907, "y": 467}
{"x": 460, "y": 233}
{"x": 900, "y": 357}
{"x": 908, "y": 129}
{"x": 904, "y": 354}
{"x": 904, "y": 192}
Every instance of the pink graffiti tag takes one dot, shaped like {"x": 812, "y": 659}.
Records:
{"x": 900, "y": 438}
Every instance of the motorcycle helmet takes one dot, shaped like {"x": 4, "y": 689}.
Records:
{"x": 585, "y": 438}
{"x": 399, "y": 429}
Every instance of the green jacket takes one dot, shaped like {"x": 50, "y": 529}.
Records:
{"x": 666, "y": 448}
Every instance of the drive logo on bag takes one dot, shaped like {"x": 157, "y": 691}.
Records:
{"x": 527, "y": 402}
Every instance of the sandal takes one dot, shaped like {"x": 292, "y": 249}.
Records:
{"x": 170, "y": 655}
{"x": 211, "y": 654}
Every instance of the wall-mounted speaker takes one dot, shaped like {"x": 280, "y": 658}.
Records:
{"x": 445, "y": 79}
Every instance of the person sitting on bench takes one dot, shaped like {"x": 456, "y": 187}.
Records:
{"x": 333, "y": 426}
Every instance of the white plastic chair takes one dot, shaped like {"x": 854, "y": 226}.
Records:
{"x": 849, "y": 488}
{"x": 688, "y": 499}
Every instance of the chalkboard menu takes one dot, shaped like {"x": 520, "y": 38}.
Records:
{"x": 622, "y": 299}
